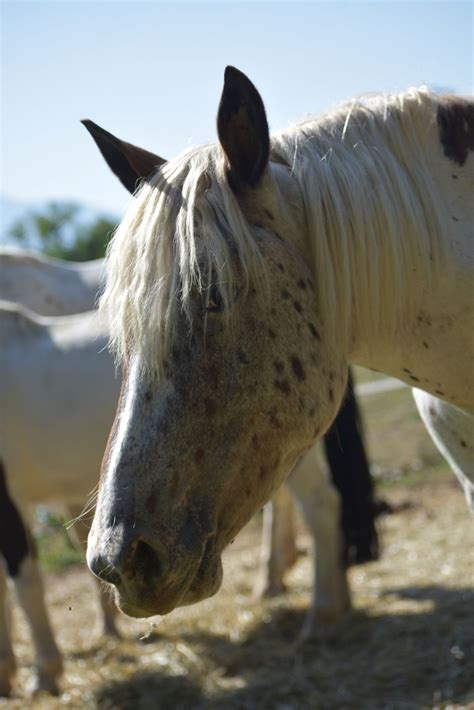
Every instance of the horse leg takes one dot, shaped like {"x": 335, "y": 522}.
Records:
{"x": 278, "y": 550}
{"x": 321, "y": 508}
{"x": 30, "y": 592}
{"x": 17, "y": 549}
{"x": 107, "y": 625}
{"x": 452, "y": 430}
{"x": 7, "y": 660}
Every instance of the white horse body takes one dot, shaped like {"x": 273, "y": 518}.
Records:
{"x": 59, "y": 393}
{"x": 49, "y": 286}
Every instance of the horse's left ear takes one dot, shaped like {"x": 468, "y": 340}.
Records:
{"x": 128, "y": 162}
{"x": 243, "y": 130}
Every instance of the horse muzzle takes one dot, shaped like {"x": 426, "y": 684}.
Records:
{"x": 145, "y": 579}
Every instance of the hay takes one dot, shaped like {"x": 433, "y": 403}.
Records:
{"x": 408, "y": 644}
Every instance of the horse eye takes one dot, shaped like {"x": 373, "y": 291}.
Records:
{"x": 215, "y": 303}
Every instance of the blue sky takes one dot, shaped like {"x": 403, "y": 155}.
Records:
{"x": 151, "y": 72}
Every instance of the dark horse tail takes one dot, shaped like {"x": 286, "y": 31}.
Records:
{"x": 349, "y": 466}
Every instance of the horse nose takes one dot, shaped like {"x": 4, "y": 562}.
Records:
{"x": 138, "y": 557}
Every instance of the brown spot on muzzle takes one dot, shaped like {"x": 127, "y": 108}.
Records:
{"x": 456, "y": 127}
{"x": 199, "y": 455}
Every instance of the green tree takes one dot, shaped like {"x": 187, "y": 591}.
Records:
{"x": 59, "y": 231}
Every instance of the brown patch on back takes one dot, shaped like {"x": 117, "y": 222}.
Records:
{"x": 456, "y": 127}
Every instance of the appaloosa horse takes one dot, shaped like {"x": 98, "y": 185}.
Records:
{"x": 243, "y": 280}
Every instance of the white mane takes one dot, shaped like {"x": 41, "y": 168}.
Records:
{"x": 370, "y": 204}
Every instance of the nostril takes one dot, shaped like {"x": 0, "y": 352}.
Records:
{"x": 145, "y": 560}
{"x": 106, "y": 572}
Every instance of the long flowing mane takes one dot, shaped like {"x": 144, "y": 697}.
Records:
{"x": 371, "y": 205}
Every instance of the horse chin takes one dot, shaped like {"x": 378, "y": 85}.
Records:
{"x": 142, "y": 603}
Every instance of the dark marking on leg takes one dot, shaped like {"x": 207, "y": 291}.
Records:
{"x": 272, "y": 334}
{"x": 297, "y": 306}
{"x": 14, "y": 538}
{"x": 455, "y": 219}
{"x": 415, "y": 379}
{"x": 302, "y": 284}
{"x": 284, "y": 294}
{"x": 254, "y": 441}
{"x": 281, "y": 267}
{"x": 455, "y": 177}
{"x": 440, "y": 393}
{"x": 331, "y": 394}
{"x": 267, "y": 213}
{"x": 463, "y": 443}
{"x": 425, "y": 344}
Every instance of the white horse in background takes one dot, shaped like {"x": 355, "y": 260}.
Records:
{"x": 59, "y": 392}
{"x": 242, "y": 281}
{"x": 50, "y": 287}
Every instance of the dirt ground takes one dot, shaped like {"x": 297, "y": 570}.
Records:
{"x": 409, "y": 643}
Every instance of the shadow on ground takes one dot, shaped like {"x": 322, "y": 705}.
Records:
{"x": 408, "y": 659}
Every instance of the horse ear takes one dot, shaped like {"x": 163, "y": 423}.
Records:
{"x": 128, "y": 162}
{"x": 243, "y": 130}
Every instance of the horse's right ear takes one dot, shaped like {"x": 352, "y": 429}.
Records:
{"x": 128, "y": 162}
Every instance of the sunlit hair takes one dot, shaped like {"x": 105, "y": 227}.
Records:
{"x": 372, "y": 209}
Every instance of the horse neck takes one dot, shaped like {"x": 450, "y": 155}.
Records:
{"x": 377, "y": 223}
